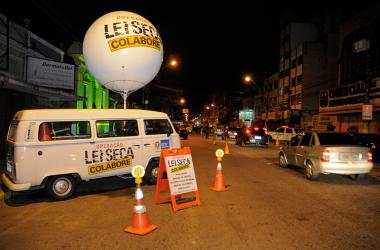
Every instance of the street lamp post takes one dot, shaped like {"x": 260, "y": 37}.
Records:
{"x": 250, "y": 81}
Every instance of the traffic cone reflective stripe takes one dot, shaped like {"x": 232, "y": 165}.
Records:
{"x": 140, "y": 220}
{"x": 219, "y": 180}
{"x": 226, "y": 150}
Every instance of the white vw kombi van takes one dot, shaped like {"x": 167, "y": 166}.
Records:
{"x": 57, "y": 148}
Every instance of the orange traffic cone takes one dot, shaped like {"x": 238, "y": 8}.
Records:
{"x": 226, "y": 150}
{"x": 219, "y": 180}
{"x": 140, "y": 220}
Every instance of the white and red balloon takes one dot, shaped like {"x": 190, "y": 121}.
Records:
{"x": 123, "y": 51}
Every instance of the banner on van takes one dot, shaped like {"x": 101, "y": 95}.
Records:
{"x": 109, "y": 166}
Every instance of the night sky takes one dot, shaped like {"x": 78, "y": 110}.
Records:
{"x": 216, "y": 44}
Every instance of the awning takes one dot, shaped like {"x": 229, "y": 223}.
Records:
{"x": 49, "y": 93}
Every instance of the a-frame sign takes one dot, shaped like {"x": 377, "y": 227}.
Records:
{"x": 176, "y": 174}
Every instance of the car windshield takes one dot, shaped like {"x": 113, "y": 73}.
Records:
{"x": 335, "y": 139}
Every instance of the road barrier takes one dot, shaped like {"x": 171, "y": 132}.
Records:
{"x": 140, "y": 221}
{"x": 219, "y": 180}
{"x": 226, "y": 149}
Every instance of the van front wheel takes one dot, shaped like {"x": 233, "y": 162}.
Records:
{"x": 60, "y": 187}
{"x": 151, "y": 173}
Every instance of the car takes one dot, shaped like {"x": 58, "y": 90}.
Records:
{"x": 182, "y": 131}
{"x": 283, "y": 133}
{"x": 230, "y": 132}
{"x": 372, "y": 141}
{"x": 219, "y": 131}
{"x": 252, "y": 136}
{"x": 326, "y": 153}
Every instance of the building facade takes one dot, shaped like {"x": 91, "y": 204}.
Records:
{"x": 327, "y": 69}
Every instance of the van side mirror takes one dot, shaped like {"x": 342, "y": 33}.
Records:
{"x": 169, "y": 132}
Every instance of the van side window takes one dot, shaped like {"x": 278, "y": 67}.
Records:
{"x": 157, "y": 126}
{"x": 67, "y": 130}
{"x": 116, "y": 128}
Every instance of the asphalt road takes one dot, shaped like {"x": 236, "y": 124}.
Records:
{"x": 266, "y": 207}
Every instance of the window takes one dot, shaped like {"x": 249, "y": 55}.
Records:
{"x": 157, "y": 126}
{"x": 67, "y": 130}
{"x": 299, "y": 99}
{"x": 299, "y": 79}
{"x": 294, "y": 63}
{"x": 306, "y": 139}
{"x": 289, "y": 130}
{"x": 295, "y": 140}
{"x": 293, "y": 100}
{"x": 299, "y": 60}
{"x": 294, "y": 80}
{"x": 312, "y": 141}
{"x": 116, "y": 128}
{"x": 280, "y": 130}
{"x": 335, "y": 139}
{"x": 12, "y": 130}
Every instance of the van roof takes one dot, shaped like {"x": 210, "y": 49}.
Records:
{"x": 83, "y": 114}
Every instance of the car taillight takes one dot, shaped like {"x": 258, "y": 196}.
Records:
{"x": 248, "y": 131}
{"x": 266, "y": 132}
{"x": 325, "y": 157}
{"x": 369, "y": 155}
{"x": 256, "y": 128}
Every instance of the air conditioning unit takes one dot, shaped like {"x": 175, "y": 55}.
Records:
{"x": 361, "y": 45}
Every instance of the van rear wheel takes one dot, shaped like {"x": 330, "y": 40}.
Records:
{"x": 151, "y": 173}
{"x": 60, "y": 187}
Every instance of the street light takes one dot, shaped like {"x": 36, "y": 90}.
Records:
{"x": 249, "y": 79}
{"x": 182, "y": 101}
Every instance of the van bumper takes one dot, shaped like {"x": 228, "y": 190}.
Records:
{"x": 13, "y": 186}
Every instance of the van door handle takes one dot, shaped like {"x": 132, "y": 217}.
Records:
{"x": 146, "y": 144}
{"x": 92, "y": 142}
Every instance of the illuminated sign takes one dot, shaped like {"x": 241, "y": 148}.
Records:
{"x": 343, "y": 96}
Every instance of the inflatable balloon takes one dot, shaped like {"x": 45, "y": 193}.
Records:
{"x": 123, "y": 51}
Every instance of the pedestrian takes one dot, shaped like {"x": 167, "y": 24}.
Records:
{"x": 206, "y": 132}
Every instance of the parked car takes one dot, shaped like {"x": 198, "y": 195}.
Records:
{"x": 252, "y": 136}
{"x": 371, "y": 141}
{"x": 326, "y": 153}
{"x": 182, "y": 131}
{"x": 283, "y": 133}
{"x": 230, "y": 132}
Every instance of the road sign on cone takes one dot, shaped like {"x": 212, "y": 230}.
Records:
{"x": 219, "y": 180}
{"x": 140, "y": 221}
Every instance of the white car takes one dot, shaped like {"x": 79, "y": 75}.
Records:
{"x": 326, "y": 153}
{"x": 219, "y": 131}
{"x": 282, "y": 134}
